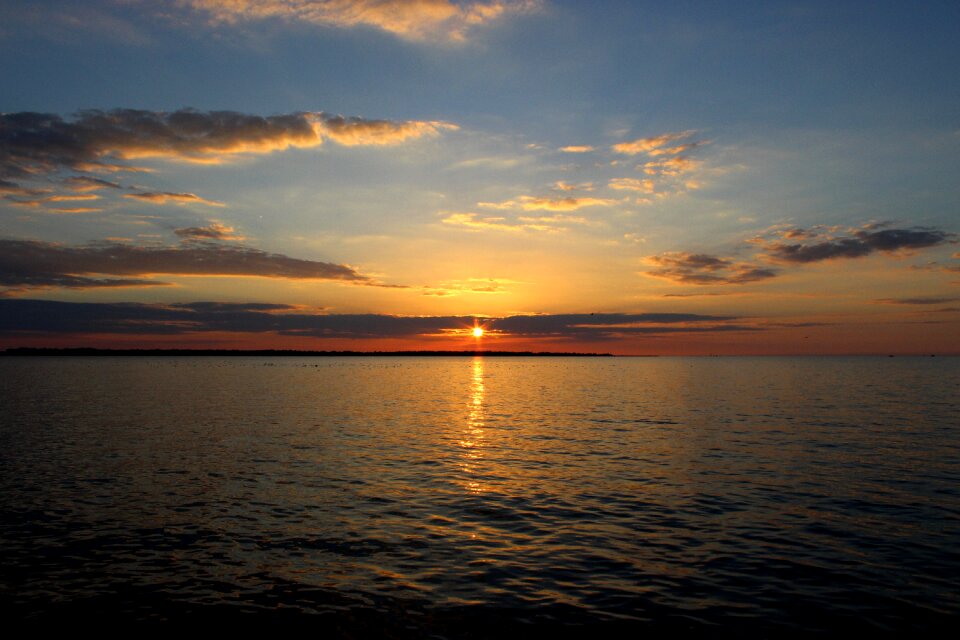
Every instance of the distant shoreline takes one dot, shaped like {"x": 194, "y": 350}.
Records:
{"x": 86, "y": 351}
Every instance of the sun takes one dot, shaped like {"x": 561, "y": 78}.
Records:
{"x": 478, "y": 332}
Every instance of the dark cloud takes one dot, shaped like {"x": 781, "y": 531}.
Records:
{"x": 213, "y": 231}
{"x": 918, "y": 301}
{"x": 87, "y": 183}
{"x": 600, "y": 325}
{"x": 22, "y": 282}
{"x": 25, "y": 263}
{"x": 33, "y": 144}
{"x": 19, "y": 316}
{"x": 859, "y": 243}
{"x": 703, "y": 269}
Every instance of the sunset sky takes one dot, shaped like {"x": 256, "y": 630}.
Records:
{"x": 627, "y": 177}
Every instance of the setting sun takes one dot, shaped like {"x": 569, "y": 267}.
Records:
{"x": 478, "y": 332}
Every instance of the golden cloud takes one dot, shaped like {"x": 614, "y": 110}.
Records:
{"x": 653, "y": 145}
{"x": 418, "y": 20}
{"x": 173, "y": 198}
{"x": 476, "y": 222}
{"x": 351, "y": 132}
{"x": 633, "y": 184}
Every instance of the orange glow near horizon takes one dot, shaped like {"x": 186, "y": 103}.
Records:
{"x": 478, "y": 332}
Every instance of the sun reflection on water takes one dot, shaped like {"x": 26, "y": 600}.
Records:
{"x": 472, "y": 442}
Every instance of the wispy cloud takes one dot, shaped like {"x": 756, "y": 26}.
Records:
{"x": 163, "y": 197}
{"x": 656, "y": 145}
{"x": 930, "y": 300}
{"x": 704, "y": 269}
{"x": 83, "y": 184}
{"x": 478, "y": 222}
{"x": 561, "y": 185}
{"x": 473, "y": 285}
{"x": 671, "y": 167}
{"x": 533, "y": 203}
{"x": 419, "y": 20}
{"x": 577, "y": 148}
{"x": 632, "y": 184}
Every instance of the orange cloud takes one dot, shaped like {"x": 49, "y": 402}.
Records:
{"x": 671, "y": 167}
{"x": 531, "y": 203}
{"x": 577, "y": 149}
{"x": 651, "y": 144}
{"x": 213, "y": 231}
{"x": 351, "y": 132}
{"x": 418, "y": 20}
{"x": 173, "y": 198}
{"x": 76, "y": 210}
{"x": 632, "y": 184}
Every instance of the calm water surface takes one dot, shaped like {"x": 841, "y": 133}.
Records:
{"x": 467, "y": 496}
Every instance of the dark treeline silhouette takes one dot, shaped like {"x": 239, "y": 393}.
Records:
{"x": 88, "y": 351}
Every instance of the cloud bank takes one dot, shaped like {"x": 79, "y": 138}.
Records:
{"x": 32, "y": 317}
{"x": 26, "y": 264}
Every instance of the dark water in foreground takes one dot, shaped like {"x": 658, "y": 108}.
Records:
{"x": 467, "y": 497}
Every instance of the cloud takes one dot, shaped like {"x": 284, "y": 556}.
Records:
{"x": 352, "y": 132}
{"x": 532, "y": 203}
{"x": 529, "y": 203}
{"x": 703, "y": 269}
{"x": 919, "y": 301}
{"x": 36, "y": 202}
{"x": 33, "y": 144}
{"x": 477, "y": 222}
{"x": 671, "y": 167}
{"x": 472, "y": 285}
{"x": 655, "y": 145}
{"x": 853, "y": 243}
{"x": 172, "y": 198}
{"x": 560, "y": 185}
{"x": 417, "y": 20}
{"x": 32, "y": 317}
{"x": 577, "y": 149}
{"x": 75, "y": 210}
{"x": 27, "y": 263}
{"x": 632, "y": 184}
{"x": 8, "y": 188}
{"x": 87, "y": 183}
{"x": 213, "y": 231}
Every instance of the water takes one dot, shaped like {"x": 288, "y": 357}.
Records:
{"x": 470, "y": 497}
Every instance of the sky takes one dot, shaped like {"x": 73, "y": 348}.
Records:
{"x": 647, "y": 178}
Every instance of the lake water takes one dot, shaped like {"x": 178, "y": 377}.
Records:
{"x": 471, "y": 497}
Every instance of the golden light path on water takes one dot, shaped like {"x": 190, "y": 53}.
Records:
{"x": 473, "y": 438}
